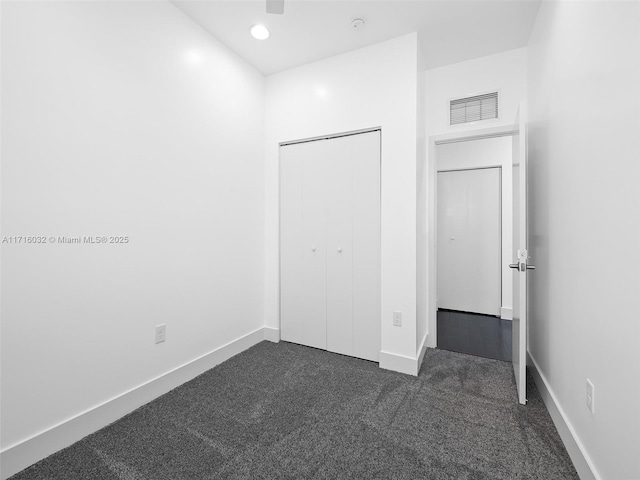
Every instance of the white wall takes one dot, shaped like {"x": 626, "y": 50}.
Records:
{"x": 422, "y": 246}
{"x": 584, "y": 149}
{"x": 122, "y": 118}
{"x": 504, "y": 72}
{"x": 489, "y": 152}
{"x": 369, "y": 87}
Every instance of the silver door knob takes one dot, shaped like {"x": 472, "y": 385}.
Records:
{"x": 313, "y": 249}
{"x": 531, "y": 267}
{"x": 339, "y": 249}
{"x": 514, "y": 265}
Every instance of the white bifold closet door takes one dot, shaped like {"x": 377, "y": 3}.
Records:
{"x": 330, "y": 244}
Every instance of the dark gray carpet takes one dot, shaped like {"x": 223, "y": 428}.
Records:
{"x": 283, "y": 411}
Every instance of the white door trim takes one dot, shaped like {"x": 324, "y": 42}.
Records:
{"x": 331, "y": 136}
{"x": 432, "y": 195}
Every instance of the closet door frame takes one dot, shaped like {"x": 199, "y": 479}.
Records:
{"x": 370, "y": 356}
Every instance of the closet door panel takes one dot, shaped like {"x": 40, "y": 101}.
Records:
{"x": 291, "y": 287}
{"x": 366, "y": 245}
{"x": 330, "y": 244}
{"x": 340, "y": 178}
{"x": 314, "y": 219}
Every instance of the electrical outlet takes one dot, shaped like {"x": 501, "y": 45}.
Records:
{"x": 161, "y": 333}
{"x": 397, "y": 319}
{"x": 590, "y": 396}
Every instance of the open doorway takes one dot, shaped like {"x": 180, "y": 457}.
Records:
{"x": 473, "y": 246}
{"x": 514, "y": 252}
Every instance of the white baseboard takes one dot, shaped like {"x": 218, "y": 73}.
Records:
{"x": 575, "y": 448}
{"x": 272, "y": 334}
{"x": 506, "y": 313}
{"x": 19, "y": 456}
{"x": 399, "y": 363}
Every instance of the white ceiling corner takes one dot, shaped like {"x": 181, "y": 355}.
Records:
{"x": 451, "y": 31}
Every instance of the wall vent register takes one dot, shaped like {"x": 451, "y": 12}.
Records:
{"x": 473, "y": 109}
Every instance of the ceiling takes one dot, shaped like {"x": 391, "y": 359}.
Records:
{"x": 450, "y": 30}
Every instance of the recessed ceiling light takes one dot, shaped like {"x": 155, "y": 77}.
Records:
{"x": 260, "y": 32}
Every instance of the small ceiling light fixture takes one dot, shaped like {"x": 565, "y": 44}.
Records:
{"x": 260, "y": 32}
{"x": 357, "y": 23}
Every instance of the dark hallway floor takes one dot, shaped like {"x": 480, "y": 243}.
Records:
{"x": 474, "y": 334}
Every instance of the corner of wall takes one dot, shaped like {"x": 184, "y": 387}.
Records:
{"x": 399, "y": 363}
{"x": 579, "y": 456}
{"x": 19, "y": 456}
{"x": 272, "y": 334}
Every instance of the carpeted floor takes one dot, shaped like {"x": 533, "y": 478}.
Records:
{"x": 281, "y": 411}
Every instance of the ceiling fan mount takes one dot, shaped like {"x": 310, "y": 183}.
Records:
{"x": 275, "y": 6}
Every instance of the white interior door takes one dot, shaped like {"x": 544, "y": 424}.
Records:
{"x": 292, "y": 324}
{"x": 303, "y": 245}
{"x": 339, "y": 166}
{"x": 469, "y": 240}
{"x": 520, "y": 257}
{"x": 366, "y": 245}
{"x": 353, "y": 245}
{"x": 314, "y": 258}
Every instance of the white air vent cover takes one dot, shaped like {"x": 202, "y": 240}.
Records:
{"x": 473, "y": 109}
